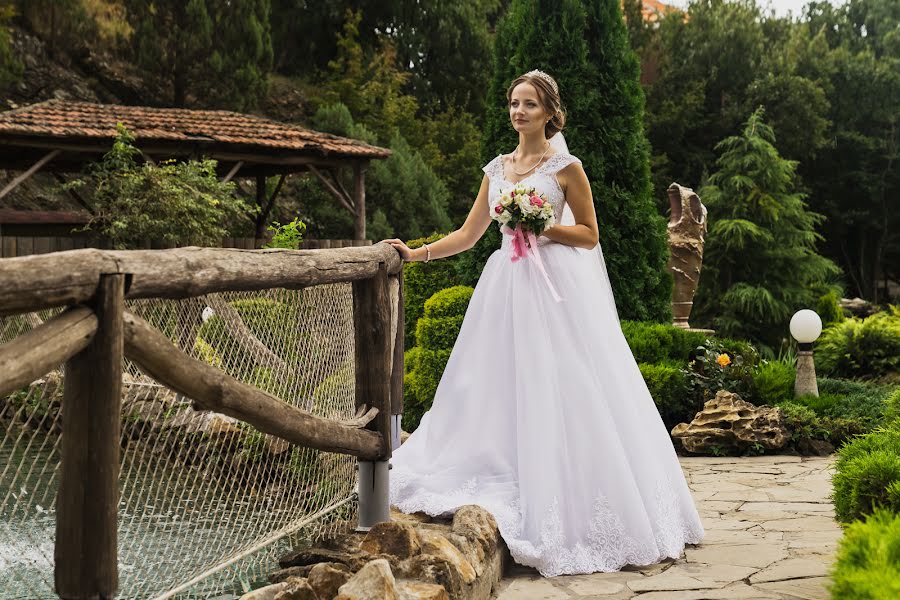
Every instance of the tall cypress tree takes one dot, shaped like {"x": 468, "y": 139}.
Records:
{"x": 584, "y": 45}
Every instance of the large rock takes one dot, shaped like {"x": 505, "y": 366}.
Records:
{"x": 728, "y": 423}
{"x": 326, "y": 579}
{"x": 414, "y": 590}
{"x": 297, "y": 589}
{"x": 392, "y": 537}
{"x": 375, "y": 581}
{"x": 435, "y": 544}
{"x": 477, "y": 525}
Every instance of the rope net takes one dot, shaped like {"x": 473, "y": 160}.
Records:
{"x": 206, "y": 501}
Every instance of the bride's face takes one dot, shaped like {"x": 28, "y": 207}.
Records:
{"x": 526, "y": 112}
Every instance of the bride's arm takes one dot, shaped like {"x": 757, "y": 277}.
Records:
{"x": 585, "y": 233}
{"x": 458, "y": 240}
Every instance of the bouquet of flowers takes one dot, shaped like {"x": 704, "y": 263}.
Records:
{"x": 524, "y": 214}
{"x": 523, "y": 208}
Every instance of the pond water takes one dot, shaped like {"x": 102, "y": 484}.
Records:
{"x": 168, "y": 530}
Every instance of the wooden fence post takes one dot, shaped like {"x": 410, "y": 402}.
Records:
{"x": 397, "y": 366}
{"x": 372, "y": 333}
{"x": 87, "y": 501}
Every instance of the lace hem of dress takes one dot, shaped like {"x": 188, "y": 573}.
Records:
{"x": 608, "y": 547}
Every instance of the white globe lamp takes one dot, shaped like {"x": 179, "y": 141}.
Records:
{"x": 806, "y": 326}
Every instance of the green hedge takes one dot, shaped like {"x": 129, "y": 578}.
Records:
{"x": 657, "y": 342}
{"x": 421, "y": 281}
{"x": 867, "y": 475}
{"x": 867, "y": 348}
{"x": 868, "y": 560}
{"x": 436, "y": 333}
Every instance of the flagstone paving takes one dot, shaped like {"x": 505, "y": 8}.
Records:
{"x": 770, "y": 534}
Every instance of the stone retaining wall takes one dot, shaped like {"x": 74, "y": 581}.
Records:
{"x": 413, "y": 557}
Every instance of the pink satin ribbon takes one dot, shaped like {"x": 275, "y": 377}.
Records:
{"x": 520, "y": 250}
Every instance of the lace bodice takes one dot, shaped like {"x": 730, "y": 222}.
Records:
{"x": 543, "y": 180}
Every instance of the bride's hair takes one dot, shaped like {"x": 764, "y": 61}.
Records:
{"x": 548, "y": 95}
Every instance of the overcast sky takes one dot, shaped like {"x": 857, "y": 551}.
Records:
{"x": 781, "y": 6}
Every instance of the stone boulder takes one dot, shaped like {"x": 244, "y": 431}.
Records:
{"x": 729, "y": 424}
{"x": 297, "y": 589}
{"x": 375, "y": 581}
{"x": 326, "y": 579}
{"x": 394, "y": 538}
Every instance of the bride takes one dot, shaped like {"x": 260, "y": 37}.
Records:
{"x": 542, "y": 416}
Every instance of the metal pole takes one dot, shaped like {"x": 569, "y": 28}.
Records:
{"x": 374, "y": 506}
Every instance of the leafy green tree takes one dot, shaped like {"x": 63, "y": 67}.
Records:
{"x": 584, "y": 45}
{"x": 176, "y": 202}
{"x": 760, "y": 263}
{"x": 855, "y": 182}
{"x": 207, "y": 52}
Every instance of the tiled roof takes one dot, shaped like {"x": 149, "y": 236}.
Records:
{"x": 62, "y": 119}
{"x": 12, "y": 216}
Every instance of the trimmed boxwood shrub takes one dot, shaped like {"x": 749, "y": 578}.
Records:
{"x": 868, "y": 559}
{"x": 867, "y": 348}
{"x": 436, "y": 333}
{"x": 867, "y": 475}
{"x": 657, "y": 342}
{"x": 421, "y": 281}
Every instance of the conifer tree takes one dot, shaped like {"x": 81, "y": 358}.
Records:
{"x": 584, "y": 45}
{"x": 760, "y": 263}
{"x": 216, "y": 52}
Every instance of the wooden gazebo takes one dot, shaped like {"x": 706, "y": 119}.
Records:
{"x": 61, "y": 136}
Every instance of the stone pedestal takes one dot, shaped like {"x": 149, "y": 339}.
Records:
{"x": 805, "y": 384}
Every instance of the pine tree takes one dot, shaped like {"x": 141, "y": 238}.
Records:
{"x": 760, "y": 263}
{"x": 214, "y": 53}
{"x": 584, "y": 45}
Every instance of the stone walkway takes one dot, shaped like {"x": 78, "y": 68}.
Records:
{"x": 770, "y": 534}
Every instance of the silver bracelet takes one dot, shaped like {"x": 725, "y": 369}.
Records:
{"x": 427, "y": 253}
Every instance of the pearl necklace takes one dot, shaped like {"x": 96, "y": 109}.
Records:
{"x": 535, "y": 164}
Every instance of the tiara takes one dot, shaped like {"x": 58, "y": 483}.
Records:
{"x": 550, "y": 81}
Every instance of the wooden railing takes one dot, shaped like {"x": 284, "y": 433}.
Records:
{"x": 12, "y": 246}
{"x": 95, "y": 333}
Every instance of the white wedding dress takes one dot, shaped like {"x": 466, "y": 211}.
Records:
{"x": 543, "y": 418}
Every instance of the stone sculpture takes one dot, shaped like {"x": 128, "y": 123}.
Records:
{"x": 687, "y": 233}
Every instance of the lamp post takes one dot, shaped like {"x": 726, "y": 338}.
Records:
{"x": 805, "y": 327}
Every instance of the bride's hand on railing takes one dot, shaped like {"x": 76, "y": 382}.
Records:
{"x": 406, "y": 253}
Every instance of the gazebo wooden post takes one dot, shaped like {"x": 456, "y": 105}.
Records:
{"x": 261, "y": 203}
{"x": 359, "y": 199}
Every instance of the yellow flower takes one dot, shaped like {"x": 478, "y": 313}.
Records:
{"x": 723, "y": 360}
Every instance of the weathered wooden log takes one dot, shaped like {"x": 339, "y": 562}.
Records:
{"x": 214, "y": 390}
{"x": 258, "y": 352}
{"x": 32, "y": 354}
{"x": 85, "y": 555}
{"x": 372, "y": 352}
{"x": 30, "y": 283}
